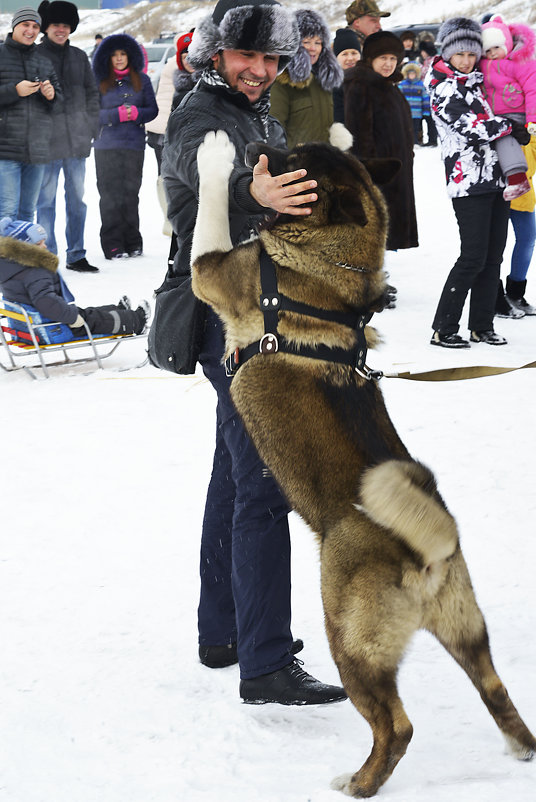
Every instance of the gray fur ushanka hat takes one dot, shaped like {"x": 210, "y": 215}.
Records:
{"x": 327, "y": 69}
{"x": 261, "y": 25}
{"x": 460, "y": 34}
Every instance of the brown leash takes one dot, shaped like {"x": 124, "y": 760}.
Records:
{"x": 455, "y": 374}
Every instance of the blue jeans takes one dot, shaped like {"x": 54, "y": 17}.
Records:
{"x": 524, "y": 224}
{"x": 74, "y": 175}
{"x": 19, "y": 189}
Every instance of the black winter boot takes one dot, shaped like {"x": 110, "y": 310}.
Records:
{"x": 223, "y": 656}
{"x": 515, "y": 293}
{"x": 503, "y": 307}
{"x": 290, "y": 685}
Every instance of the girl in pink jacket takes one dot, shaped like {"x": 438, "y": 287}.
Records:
{"x": 509, "y": 70}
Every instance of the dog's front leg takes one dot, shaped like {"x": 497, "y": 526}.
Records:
{"x": 214, "y": 164}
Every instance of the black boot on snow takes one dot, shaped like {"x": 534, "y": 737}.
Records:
{"x": 515, "y": 293}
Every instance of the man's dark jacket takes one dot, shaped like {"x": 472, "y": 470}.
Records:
{"x": 211, "y": 108}
{"x": 77, "y": 120}
{"x": 25, "y": 122}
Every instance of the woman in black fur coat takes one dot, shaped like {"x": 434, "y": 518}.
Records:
{"x": 378, "y": 116}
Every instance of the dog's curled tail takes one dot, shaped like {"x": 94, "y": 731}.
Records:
{"x": 398, "y": 495}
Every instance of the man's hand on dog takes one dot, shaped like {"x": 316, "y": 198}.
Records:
{"x": 278, "y": 192}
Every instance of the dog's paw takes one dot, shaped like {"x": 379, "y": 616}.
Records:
{"x": 340, "y": 137}
{"x": 341, "y": 783}
{"x": 215, "y": 156}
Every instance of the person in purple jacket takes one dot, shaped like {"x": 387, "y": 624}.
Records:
{"x": 127, "y": 102}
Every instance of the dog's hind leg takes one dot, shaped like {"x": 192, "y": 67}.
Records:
{"x": 214, "y": 164}
{"x": 377, "y": 699}
{"x": 458, "y": 624}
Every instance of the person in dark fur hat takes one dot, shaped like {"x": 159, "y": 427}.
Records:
{"x": 301, "y": 98}
{"x": 29, "y": 276}
{"x": 244, "y": 608}
{"x": 409, "y": 40}
{"x": 127, "y": 102}
{"x": 74, "y": 126}
{"x": 378, "y": 116}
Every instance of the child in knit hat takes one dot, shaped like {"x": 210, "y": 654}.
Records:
{"x": 418, "y": 99}
{"x": 29, "y": 276}
{"x": 509, "y": 69}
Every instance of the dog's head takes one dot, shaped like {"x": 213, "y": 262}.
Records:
{"x": 343, "y": 182}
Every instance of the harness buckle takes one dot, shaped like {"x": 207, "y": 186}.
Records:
{"x": 369, "y": 374}
{"x": 268, "y": 344}
{"x": 232, "y": 363}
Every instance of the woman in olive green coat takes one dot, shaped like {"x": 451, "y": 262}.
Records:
{"x": 301, "y": 97}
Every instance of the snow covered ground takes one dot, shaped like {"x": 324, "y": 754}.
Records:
{"x": 104, "y": 476}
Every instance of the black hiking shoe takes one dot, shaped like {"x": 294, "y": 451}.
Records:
{"x": 82, "y": 266}
{"x": 143, "y": 313}
{"x": 489, "y": 337}
{"x": 223, "y": 656}
{"x": 290, "y": 685}
{"x": 449, "y": 340}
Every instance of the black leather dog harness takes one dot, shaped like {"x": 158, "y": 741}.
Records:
{"x": 272, "y": 301}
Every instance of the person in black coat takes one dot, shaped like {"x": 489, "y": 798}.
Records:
{"x": 29, "y": 93}
{"x": 378, "y": 116}
{"x": 29, "y": 276}
{"x": 74, "y": 127}
{"x": 244, "y": 608}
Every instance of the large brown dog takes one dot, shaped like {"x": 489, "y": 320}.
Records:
{"x": 390, "y": 557}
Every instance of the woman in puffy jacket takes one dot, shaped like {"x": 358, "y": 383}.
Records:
{"x": 467, "y": 130}
{"x": 127, "y": 102}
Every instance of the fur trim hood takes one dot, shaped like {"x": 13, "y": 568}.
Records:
{"x": 184, "y": 81}
{"x": 411, "y": 66}
{"x": 518, "y": 41}
{"x": 261, "y": 25}
{"x": 327, "y": 69}
{"x": 26, "y": 254}
{"x": 117, "y": 41}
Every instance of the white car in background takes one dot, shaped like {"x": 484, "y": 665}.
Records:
{"x": 157, "y": 55}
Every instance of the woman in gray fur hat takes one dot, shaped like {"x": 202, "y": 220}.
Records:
{"x": 301, "y": 97}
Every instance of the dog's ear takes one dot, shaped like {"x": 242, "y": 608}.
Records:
{"x": 277, "y": 157}
{"x": 381, "y": 170}
{"x": 346, "y": 206}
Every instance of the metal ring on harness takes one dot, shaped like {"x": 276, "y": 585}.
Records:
{"x": 268, "y": 344}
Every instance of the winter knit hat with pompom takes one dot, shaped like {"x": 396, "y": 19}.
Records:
{"x": 496, "y": 33}
{"x": 22, "y": 230}
{"x": 458, "y": 35}
{"x": 327, "y": 69}
{"x": 260, "y": 25}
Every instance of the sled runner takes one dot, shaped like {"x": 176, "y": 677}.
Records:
{"x": 22, "y": 336}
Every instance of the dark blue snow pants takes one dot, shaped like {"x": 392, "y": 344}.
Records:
{"x": 245, "y": 544}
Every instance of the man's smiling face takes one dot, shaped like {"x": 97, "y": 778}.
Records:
{"x": 58, "y": 32}
{"x": 25, "y": 33}
{"x": 247, "y": 71}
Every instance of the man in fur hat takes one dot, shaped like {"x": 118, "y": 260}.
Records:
{"x": 363, "y": 17}
{"x": 244, "y": 609}
{"x": 73, "y": 129}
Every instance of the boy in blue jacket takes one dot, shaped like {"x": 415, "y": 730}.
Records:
{"x": 415, "y": 93}
{"x": 29, "y": 276}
